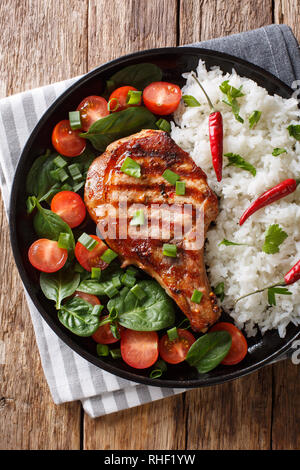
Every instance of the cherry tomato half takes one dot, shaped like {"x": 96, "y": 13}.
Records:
{"x": 90, "y": 298}
{"x": 176, "y": 351}
{"x": 239, "y": 346}
{"x": 70, "y": 207}
{"x": 139, "y": 349}
{"x": 45, "y": 255}
{"x": 91, "y": 259}
{"x": 118, "y": 99}
{"x": 92, "y": 108}
{"x": 66, "y": 141}
{"x": 104, "y": 335}
{"x": 162, "y": 97}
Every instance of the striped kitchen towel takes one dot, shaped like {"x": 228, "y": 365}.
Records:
{"x": 69, "y": 376}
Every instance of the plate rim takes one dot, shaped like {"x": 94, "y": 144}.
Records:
{"x": 203, "y": 381}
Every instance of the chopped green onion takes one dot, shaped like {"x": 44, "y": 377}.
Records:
{"x": 254, "y": 118}
{"x": 66, "y": 187}
{"x": 115, "y": 330}
{"x": 116, "y": 281}
{"x": 108, "y": 256}
{"x": 78, "y": 268}
{"x": 59, "y": 162}
{"x": 124, "y": 291}
{"x": 172, "y": 334}
{"x": 102, "y": 350}
{"x": 169, "y": 250}
{"x": 96, "y": 273}
{"x": 138, "y": 218}
{"x": 190, "y": 101}
{"x": 88, "y": 242}
{"x": 131, "y": 168}
{"x": 163, "y": 125}
{"x": 158, "y": 369}
{"x": 134, "y": 97}
{"x": 64, "y": 241}
{"x": 115, "y": 353}
{"x": 180, "y": 188}
{"x": 138, "y": 292}
{"x": 75, "y": 171}
{"x": 170, "y": 176}
{"x": 78, "y": 186}
{"x": 30, "y": 203}
{"x": 111, "y": 291}
{"x": 75, "y": 120}
{"x": 97, "y": 309}
{"x": 128, "y": 280}
{"x": 132, "y": 270}
{"x": 117, "y": 105}
{"x": 197, "y": 296}
{"x": 59, "y": 174}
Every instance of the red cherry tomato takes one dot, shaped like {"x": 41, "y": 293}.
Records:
{"x": 90, "y": 298}
{"x": 139, "y": 349}
{"x": 92, "y": 108}
{"x": 45, "y": 255}
{"x": 66, "y": 141}
{"x": 176, "y": 351}
{"x": 239, "y": 346}
{"x": 70, "y": 207}
{"x": 162, "y": 97}
{"x": 91, "y": 259}
{"x": 118, "y": 99}
{"x": 104, "y": 335}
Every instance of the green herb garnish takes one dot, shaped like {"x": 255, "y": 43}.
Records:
{"x": 219, "y": 291}
{"x": 169, "y": 250}
{"x": 190, "y": 101}
{"x": 254, "y": 118}
{"x": 170, "y": 176}
{"x": 278, "y": 151}
{"x": 294, "y": 131}
{"x": 131, "y": 168}
{"x": 197, "y": 296}
{"x": 229, "y": 243}
{"x": 232, "y": 94}
{"x": 163, "y": 125}
{"x": 274, "y": 237}
{"x": 276, "y": 290}
{"x": 240, "y": 162}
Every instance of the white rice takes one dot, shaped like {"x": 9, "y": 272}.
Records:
{"x": 244, "y": 269}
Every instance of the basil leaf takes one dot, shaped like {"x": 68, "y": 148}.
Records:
{"x": 190, "y": 101}
{"x": 138, "y": 76}
{"x": 117, "y": 125}
{"x": 49, "y": 225}
{"x": 79, "y": 316}
{"x": 209, "y": 350}
{"x": 152, "y": 313}
{"x": 254, "y": 118}
{"x": 278, "y": 151}
{"x": 240, "y": 162}
{"x": 58, "y": 286}
{"x": 294, "y": 131}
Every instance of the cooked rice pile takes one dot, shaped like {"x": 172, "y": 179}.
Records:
{"x": 246, "y": 268}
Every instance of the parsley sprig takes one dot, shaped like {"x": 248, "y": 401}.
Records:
{"x": 232, "y": 94}
{"x": 274, "y": 237}
{"x": 240, "y": 162}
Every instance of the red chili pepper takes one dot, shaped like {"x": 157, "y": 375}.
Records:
{"x": 279, "y": 191}
{"x": 215, "y": 122}
{"x": 293, "y": 275}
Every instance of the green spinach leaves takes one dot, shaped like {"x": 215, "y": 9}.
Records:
{"x": 58, "y": 286}
{"x": 209, "y": 350}
{"x": 138, "y": 76}
{"x": 79, "y": 316}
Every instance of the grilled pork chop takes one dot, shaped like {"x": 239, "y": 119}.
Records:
{"x": 106, "y": 185}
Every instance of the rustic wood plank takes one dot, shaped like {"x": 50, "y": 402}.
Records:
{"x": 288, "y": 12}
{"x": 40, "y": 42}
{"x": 122, "y": 28}
{"x": 207, "y": 19}
{"x": 117, "y": 28}
{"x": 159, "y": 425}
{"x": 232, "y": 416}
{"x": 286, "y": 406}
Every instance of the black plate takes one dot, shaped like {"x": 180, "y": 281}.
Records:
{"x": 173, "y": 61}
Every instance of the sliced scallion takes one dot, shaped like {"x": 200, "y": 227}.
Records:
{"x": 113, "y": 105}
{"x": 170, "y": 176}
{"x": 64, "y": 241}
{"x": 158, "y": 369}
{"x": 96, "y": 273}
{"x": 172, "y": 334}
{"x": 138, "y": 292}
{"x": 111, "y": 291}
{"x": 88, "y": 242}
{"x": 75, "y": 120}
{"x": 138, "y": 218}
{"x": 59, "y": 174}
{"x": 116, "y": 281}
{"x": 180, "y": 188}
{"x": 131, "y": 168}
{"x": 128, "y": 280}
{"x": 78, "y": 186}
{"x": 108, "y": 256}
{"x": 102, "y": 350}
{"x": 75, "y": 172}
{"x": 197, "y": 296}
{"x": 115, "y": 353}
{"x": 132, "y": 270}
{"x": 134, "y": 97}
{"x": 163, "y": 125}
{"x": 169, "y": 250}
{"x": 59, "y": 162}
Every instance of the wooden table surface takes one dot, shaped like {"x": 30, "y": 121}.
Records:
{"x": 44, "y": 41}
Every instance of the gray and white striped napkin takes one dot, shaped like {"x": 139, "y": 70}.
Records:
{"x": 68, "y": 375}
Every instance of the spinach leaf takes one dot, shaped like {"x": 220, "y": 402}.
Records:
{"x": 91, "y": 286}
{"x": 152, "y": 313}
{"x": 79, "y": 316}
{"x": 39, "y": 180}
{"x": 58, "y": 286}
{"x": 209, "y": 350}
{"x": 117, "y": 125}
{"x": 49, "y": 225}
{"x": 138, "y": 76}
